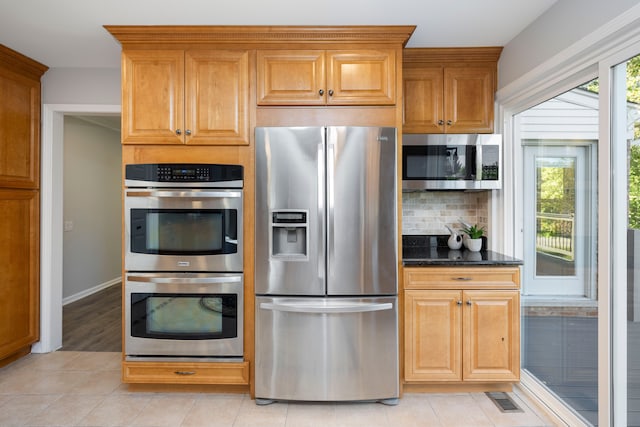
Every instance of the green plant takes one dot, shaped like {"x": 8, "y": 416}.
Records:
{"x": 473, "y": 231}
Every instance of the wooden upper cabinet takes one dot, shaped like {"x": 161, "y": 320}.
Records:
{"x": 152, "y": 97}
{"x": 332, "y": 77}
{"x": 423, "y": 100}
{"x": 19, "y": 120}
{"x": 366, "y": 77}
{"x": 468, "y": 100}
{"x": 291, "y": 77}
{"x": 217, "y": 97}
{"x": 185, "y": 97}
{"x": 449, "y": 90}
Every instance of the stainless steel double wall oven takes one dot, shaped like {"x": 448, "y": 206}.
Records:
{"x": 183, "y": 261}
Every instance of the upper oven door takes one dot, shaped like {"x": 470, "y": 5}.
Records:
{"x": 183, "y": 230}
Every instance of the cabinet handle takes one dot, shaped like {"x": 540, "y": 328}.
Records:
{"x": 449, "y": 122}
{"x": 459, "y": 302}
{"x": 178, "y": 132}
{"x": 468, "y": 302}
{"x": 187, "y": 132}
{"x": 465, "y": 279}
{"x": 321, "y": 92}
{"x": 440, "y": 122}
{"x": 330, "y": 92}
{"x": 184, "y": 372}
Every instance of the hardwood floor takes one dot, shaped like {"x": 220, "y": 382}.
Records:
{"x": 94, "y": 323}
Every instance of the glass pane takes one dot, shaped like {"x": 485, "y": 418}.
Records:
{"x": 555, "y": 213}
{"x": 175, "y": 315}
{"x": 559, "y": 199}
{"x": 632, "y": 145}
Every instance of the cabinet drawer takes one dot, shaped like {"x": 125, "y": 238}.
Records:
{"x": 185, "y": 373}
{"x": 462, "y": 278}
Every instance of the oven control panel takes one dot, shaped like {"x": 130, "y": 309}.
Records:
{"x": 183, "y": 174}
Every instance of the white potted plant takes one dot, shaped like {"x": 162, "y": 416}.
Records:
{"x": 475, "y": 233}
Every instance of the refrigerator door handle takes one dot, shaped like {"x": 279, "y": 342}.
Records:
{"x": 323, "y": 308}
{"x": 331, "y": 149}
{"x": 320, "y": 162}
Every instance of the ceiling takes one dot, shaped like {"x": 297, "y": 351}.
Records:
{"x": 70, "y": 33}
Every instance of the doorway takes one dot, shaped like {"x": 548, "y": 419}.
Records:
{"x": 52, "y": 218}
{"x": 557, "y": 217}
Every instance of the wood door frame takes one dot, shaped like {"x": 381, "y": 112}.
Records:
{"x": 51, "y": 208}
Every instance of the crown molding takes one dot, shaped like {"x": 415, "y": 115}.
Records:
{"x": 451, "y": 54}
{"x": 260, "y": 35}
{"x": 21, "y": 64}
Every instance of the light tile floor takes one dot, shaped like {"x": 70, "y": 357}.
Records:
{"x": 84, "y": 389}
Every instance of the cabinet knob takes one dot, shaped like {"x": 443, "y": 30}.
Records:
{"x": 330, "y": 92}
{"x": 459, "y": 302}
{"x": 178, "y": 132}
{"x": 468, "y": 302}
{"x": 321, "y": 92}
{"x": 440, "y": 122}
{"x": 187, "y": 132}
{"x": 449, "y": 122}
{"x": 184, "y": 372}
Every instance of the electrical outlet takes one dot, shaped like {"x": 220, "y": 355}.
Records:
{"x": 68, "y": 225}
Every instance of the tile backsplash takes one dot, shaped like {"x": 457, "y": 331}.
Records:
{"x": 427, "y": 212}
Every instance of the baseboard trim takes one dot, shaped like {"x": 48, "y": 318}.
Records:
{"x": 90, "y": 291}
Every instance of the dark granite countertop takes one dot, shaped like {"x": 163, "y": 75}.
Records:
{"x": 423, "y": 250}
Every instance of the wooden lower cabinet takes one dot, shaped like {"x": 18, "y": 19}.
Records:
{"x": 461, "y": 335}
{"x": 185, "y": 373}
{"x": 20, "y": 286}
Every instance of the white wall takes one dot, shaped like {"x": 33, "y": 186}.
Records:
{"x": 92, "y": 202}
{"x": 562, "y": 25}
{"x": 81, "y": 86}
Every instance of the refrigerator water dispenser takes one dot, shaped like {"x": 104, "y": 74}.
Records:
{"x": 289, "y": 238}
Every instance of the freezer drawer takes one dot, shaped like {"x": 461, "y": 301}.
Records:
{"x": 327, "y": 349}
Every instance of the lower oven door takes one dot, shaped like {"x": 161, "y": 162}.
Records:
{"x": 183, "y": 314}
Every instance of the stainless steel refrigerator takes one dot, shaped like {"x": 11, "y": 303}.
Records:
{"x": 326, "y": 264}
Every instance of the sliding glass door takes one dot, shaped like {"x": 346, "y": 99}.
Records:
{"x": 558, "y": 138}
{"x": 625, "y": 231}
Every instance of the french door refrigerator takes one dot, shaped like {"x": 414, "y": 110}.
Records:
{"x": 326, "y": 264}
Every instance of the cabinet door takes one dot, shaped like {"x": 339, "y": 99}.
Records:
{"x": 491, "y": 338}
{"x": 19, "y": 252}
{"x": 468, "y": 99}
{"x": 433, "y": 324}
{"x": 423, "y": 102}
{"x": 361, "y": 77}
{"x": 217, "y": 97}
{"x": 20, "y": 135}
{"x": 153, "y": 97}
{"x": 291, "y": 77}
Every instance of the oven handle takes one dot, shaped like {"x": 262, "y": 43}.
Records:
{"x": 194, "y": 280}
{"x": 326, "y": 308}
{"x": 188, "y": 193}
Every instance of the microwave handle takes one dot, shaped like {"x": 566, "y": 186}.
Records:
{"x": 478, "y": 162}
{"x": 192, "y": 280}
{"x": 188, "y": 193}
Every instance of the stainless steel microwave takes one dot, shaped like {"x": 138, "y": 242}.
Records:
{"x": 451, "y": 162}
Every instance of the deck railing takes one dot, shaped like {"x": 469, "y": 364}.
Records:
{"x": 555, "y": 234}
